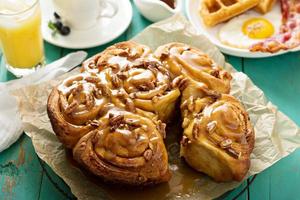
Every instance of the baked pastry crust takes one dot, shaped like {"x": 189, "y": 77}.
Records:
{"x": 221, "y": 134}
{"x": 182, "y": 59}
{"x": 126, "y": 148}
{"x": 73, "y": 106}
{"x": 116, "y": 56}
{"x": 113, "y": 114}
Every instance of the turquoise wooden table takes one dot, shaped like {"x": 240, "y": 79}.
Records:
{"x": 22, "y": 176}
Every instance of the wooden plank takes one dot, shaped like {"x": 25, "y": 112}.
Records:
{"x": 137, "y": 25}
{"x": 52, "y": 52}
{"x": 236, "y": 62}
{"x": 20, "y": 172}
{"x": 260, "y": 188}
{"x": 281, "y": 181}
{"x": 234, "y": 194}
{"x": 49, "y": 187}
{"x": 278, "y": 77}
{"x": 285, "y": 178}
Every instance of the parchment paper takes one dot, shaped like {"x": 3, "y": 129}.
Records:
{"x": 276, "y": 135}
{"x": 10, "y": 121}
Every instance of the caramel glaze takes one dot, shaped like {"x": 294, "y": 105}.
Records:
{"x": 170, "y": 3}
{"x": 113, "y": 114}
{"x": 182, "y": 183}
{"x": 182, "y": 59}
{"x": 220, "y": 128}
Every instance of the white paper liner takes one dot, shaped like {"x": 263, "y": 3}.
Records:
{"x": 276, "y": 135}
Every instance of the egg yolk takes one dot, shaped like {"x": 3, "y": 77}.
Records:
{"x": 258, "y": 28}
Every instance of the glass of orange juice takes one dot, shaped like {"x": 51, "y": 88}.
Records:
{"x": 20, "y": 35}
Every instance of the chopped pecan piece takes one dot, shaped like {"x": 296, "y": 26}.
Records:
{"x": 215, "y": 73}
{"x": 226, "y": 143}
{"x": 164, "y": 56}
{"x": 196, "y": 130}
{"x": 116, "y": 81}
{"x": 105, "y": 91}
{"x": 92, "y": 79}
{"x": 211, "y": 127}
{"x": 89, "y": 101}
{"x": 148, "y": 154}
{"x": 71, "y": 107}
{"x": 234, "y": 153}
{"x": 122, "y": 75}
{"x": 133, "y": 124}
{"x": 116, "y": 120}
{"x": 124, "y": 53}
{"x": 95, "y": 123}
{"x": 183, "y": 84}
{"x": 77, "y": 90}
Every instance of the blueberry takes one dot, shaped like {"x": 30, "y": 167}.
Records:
{"x": 58, "y": 25}
{"x": 65, "y": 30}
{"x": 56, "y": 15}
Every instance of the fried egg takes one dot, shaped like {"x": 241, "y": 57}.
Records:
{"x": 249, "y": 28}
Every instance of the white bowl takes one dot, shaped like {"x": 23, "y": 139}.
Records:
{"x": 156, "y": 10}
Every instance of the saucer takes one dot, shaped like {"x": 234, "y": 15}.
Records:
{"x": 106, "y": 29}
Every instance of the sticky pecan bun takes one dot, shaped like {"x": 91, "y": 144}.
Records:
{"x": 218, "y": 137}
{"x": 113, "y": 114}
{"x": 183, "y": 59}
{"x": 125, "y": 148}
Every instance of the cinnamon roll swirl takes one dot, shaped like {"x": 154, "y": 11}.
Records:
{"x": 181, "y": 58}
{"x": 116, "y": 57}
{"x": 220, "y": 133}
{"x": 125, "y": 148}
{"x": 73, "y": 107}
{"x": 137, "y": 77}
{"x": 149, "y": 85}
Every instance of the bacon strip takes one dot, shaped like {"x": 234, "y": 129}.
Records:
{"x": 289, "y": 35}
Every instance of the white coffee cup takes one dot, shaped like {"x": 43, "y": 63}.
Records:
{"x": 83, "y": 14}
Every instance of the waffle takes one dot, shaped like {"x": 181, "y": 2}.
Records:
{"x": 216, "y": 11}
{"x": 264, "y": 6}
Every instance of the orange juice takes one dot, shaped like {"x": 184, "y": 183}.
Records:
{"x": 20, "y": 34}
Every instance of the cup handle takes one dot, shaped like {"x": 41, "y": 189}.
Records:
{"x": 108, "y": 5}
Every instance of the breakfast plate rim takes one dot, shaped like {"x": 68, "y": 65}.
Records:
{"x": 225, "y": 48}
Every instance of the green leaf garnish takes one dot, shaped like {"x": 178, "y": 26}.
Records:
{"x": 53, "y": 28}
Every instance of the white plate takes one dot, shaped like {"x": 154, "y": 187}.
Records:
{"x": 106, "y": 29}
{"x": 192, "y": 11}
